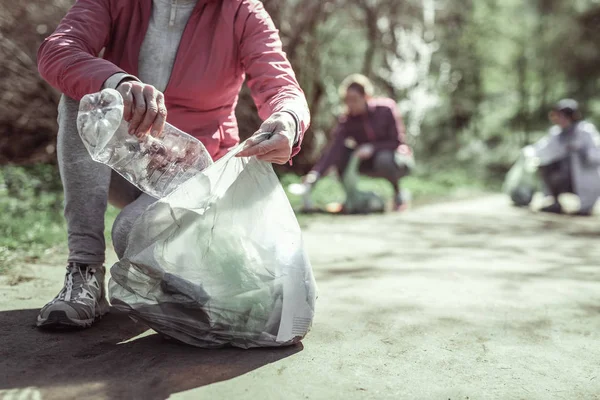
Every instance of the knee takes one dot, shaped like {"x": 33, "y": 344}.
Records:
{"x": 385, "y": 165}
{"x": 68, "y": 109}
{"x": 125, "y": 220}
{"x": 384, "y": 160}
{"x": 120, "y": 232}
{"x": 70, "y": 147}
{"x": 121, "y": 192}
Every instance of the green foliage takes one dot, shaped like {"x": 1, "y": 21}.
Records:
{"x": 488, "y": 70}
{"x": 509, "y": 61}
{"x": 31, "y": 221}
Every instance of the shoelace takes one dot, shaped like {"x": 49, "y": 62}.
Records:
{"x": 76, "y": 279}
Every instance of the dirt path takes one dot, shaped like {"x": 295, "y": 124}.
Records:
{"x": 469, "y": 300}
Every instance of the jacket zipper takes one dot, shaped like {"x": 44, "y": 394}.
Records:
{"x": 368, "y": 128}
{"x": 187, "y": 26}
{"x": 173, "y": 13}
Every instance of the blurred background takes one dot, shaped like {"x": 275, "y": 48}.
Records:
{"x": 474, "y": 80}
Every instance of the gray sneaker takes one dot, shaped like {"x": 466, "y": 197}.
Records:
{"x": 80, "y": 301}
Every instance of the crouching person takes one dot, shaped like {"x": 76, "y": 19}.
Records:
{"x": 570, "y": 158}
{"x": 373, "y": 128}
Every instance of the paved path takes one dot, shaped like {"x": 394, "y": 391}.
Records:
{"x": 465, "y": 300}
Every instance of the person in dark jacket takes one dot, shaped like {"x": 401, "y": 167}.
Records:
{"x": 374, "y": 129}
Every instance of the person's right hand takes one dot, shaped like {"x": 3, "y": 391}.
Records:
{"x": 310, "y": 178}
{"x": 144, "y": 108}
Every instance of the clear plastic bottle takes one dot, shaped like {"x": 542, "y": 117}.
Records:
{"x": 156, "y": 166}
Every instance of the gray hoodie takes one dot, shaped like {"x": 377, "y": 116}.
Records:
{"x": 158, "y": 51}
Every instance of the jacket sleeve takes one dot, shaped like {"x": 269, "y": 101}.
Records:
{"x": 270, "y": 77}
{"x": 115, "y": 80}
{"x": 549, "y": 149}
{"x": 395, "y": 131}
{"x": 68, "y": 60}
{"x": 333, "y": 152}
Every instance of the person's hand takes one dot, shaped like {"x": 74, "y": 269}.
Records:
{"x": 310, "y": 178}
{"x": 350, "y": 143}
{"x": 365, "y": 151}
{"x": 278, "y": 148}
{"x": 144, "y": 108}
{"x": 404, "y": 150}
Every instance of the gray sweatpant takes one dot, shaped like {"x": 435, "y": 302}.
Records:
{"x": 88, "y": 187}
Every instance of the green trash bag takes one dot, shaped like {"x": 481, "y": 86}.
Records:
{"x": 359, "y": 201}
{"x": 521, "y": 182}
{"x": 366, "y": 202}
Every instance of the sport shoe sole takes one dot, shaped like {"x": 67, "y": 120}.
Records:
{"x": 60, "y": 319}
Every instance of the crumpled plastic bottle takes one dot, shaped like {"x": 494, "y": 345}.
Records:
{"x": 156, "y": 166}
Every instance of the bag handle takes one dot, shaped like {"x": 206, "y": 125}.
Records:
{"x": 259, "y": 138}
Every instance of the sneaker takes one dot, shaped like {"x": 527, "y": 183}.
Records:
{"x": 80, "y": 301}
{"x": 401, "y": 201}
{"x": 400, "y": 207}
{"x": 554, "y": 208}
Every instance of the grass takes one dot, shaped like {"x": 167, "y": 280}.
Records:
{"x": 31, "y": 221}
{"x": 422, "y": 187}
{"x": 31, "y": 202}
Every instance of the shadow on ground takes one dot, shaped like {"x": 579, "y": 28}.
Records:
{"x": 111, "y": 361}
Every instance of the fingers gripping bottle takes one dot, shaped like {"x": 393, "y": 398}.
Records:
{"x": 156, "y": 166}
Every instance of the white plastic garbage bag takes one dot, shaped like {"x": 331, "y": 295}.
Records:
{"x": 220, "y": 261}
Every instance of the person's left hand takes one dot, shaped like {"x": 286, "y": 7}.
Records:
{"x": 404, "y": 150}
{"x": 277, "y": 149}
{"x": 365, "y": 151}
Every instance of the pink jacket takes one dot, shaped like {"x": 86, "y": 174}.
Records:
{"x": 224, "y": 42}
